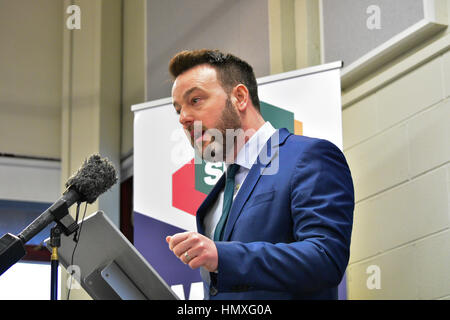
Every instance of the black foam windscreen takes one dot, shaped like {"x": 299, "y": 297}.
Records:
{"x": 93, "y": 178}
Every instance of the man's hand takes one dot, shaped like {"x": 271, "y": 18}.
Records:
{"x": 195, "y": 250}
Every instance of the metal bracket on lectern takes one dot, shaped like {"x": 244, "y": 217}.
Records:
{"x": 119, "y": 286}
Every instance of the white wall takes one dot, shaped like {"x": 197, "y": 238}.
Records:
{"x": 27, "y": 281}
{"x": 29, "y": 180}
{"x": 397, "y": 143}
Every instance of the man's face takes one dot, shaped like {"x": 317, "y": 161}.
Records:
{"x": 206, "y": 112}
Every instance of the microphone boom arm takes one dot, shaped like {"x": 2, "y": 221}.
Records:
{"x": 12, "y": 248}
{"x": 58, "y": 212}
{"x": 94, "y": 177}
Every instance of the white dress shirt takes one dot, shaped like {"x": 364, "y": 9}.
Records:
{"x": 246, "y": 157}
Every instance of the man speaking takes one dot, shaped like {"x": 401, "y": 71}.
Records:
{"x": 277, "y": 225}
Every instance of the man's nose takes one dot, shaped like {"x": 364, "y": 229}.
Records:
{"x": 185, "y": 118}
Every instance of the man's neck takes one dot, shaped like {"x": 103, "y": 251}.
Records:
{"x": 242, "y": 140}
{"x": 251, "y": 123}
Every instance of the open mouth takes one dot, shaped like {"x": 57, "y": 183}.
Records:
{"x": 201, "y": 138}
{"x": 196, "y": 136}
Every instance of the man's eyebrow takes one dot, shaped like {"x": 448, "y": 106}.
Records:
{"x": 185, "y": 95}
{"x": 188, "y": 92}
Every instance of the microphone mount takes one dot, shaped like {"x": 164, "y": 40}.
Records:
{"x": 94, "y": 177}
{"x": 12, "y": 248}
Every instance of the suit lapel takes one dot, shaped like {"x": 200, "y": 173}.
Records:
{"x": 262, "y": 163}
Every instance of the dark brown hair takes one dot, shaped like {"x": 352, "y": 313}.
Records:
{"x": 231, "y": 70}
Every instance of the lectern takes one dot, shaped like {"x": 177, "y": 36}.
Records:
{"x": 108, "y": 266}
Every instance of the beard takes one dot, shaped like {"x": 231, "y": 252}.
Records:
{"x": 223, "y": 139}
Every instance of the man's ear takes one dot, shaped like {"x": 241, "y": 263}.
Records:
{"x": 240, "y": 97}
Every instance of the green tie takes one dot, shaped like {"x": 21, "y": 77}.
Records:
{"x": 227, "y": 201}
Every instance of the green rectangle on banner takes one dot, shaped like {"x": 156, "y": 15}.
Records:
{"x": 279, "y": 118}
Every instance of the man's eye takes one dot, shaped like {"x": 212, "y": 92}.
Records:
{"x": 195, "y": 100}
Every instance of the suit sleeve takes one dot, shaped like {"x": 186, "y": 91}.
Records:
{"x": 322, "y": 203}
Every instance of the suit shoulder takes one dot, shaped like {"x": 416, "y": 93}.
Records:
{"x": 305, "y": 143}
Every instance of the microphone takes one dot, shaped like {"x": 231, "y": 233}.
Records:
{"x": 93, "y": 178}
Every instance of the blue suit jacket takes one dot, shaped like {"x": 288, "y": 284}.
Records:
{"x": 288, "y": 233}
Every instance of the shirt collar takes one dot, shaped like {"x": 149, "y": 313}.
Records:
{"x": 250, "y": 151}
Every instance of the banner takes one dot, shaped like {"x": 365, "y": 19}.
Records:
{"x": 169, "y": 185}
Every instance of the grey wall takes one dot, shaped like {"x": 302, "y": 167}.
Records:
{"x": 236, "y": 26}
{"x": 30, "y": 77}
{"x": 346, "y": 35}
